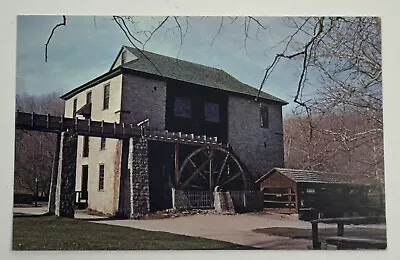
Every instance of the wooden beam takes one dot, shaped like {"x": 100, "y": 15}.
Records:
{"x": 231, "y": 179}
{"x": 176, "y": 157}
{"x": 201, "y": 167}
{"x": 297, "y": 198}
{"x": 210, "y": 170}
{"x": 222, "y": 167}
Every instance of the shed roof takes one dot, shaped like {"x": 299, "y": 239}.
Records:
{"x": 307, "y": 176}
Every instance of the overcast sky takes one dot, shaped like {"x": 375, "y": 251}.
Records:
{"x": 87, "y": 46}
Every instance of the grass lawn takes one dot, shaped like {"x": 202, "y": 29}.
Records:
{"x": 323, "y": 233}
{"x": 52, "y": 233}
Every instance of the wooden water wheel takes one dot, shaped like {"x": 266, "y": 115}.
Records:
{"x": 207, "y": 168}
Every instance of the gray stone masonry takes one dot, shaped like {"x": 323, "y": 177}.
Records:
{"x": 139, "y": 177}
{"x": 65, "y": 190}
{"x": 260, "y": 149}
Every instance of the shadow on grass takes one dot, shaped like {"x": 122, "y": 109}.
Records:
{"x": 323, "y": 233}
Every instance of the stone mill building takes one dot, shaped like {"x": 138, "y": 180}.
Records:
{"x": 172, "y": 96}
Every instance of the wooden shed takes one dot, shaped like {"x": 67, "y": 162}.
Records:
{"x": 316, "y": 193}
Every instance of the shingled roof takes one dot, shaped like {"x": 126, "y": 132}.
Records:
{"x": 191, "y": 72}
{"x": 306, "y": 176}
{"x": 172, "y": 68}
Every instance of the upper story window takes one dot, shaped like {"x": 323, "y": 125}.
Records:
{"x": 103, "y": 143}
{"x": 101, "y": 177}
{"x": 211, "y": 112}
{"x": 85, "y": 152}
{"x": 106, "y": 96}
{"x": 182, "y": 107}
{"x": 264, "y": 116}
{"x": 74, "y": 108}
{"x": 89, "y": 97}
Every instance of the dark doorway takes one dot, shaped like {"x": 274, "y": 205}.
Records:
{"x": 84, "y": 184}
{"x": 161, "y": 168}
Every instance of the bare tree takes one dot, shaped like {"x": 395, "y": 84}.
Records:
{"x": 339, "y": 86}
{"x": 329, "y": 149}
{"x": 34, "y": 151}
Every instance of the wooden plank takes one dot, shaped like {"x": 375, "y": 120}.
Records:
{"x": 297, "y": 198}
{"x": 279, "y": 201}
{"x": 176, "y": 161}
{"x": 353, "y": 220}
{"x": 340, "y": 229}
{"x": 356, "y": 242}
{"x": 280, "y": 194}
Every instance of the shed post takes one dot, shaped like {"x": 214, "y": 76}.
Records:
{"x": 340, "y": 229}
{"x": 297, "y": 197}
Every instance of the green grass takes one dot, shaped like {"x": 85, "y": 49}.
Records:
{"x": 323, "y": 233}
{"x": 52, "y": 233}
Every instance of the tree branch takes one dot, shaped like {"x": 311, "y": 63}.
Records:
{"x": 155, "y": 30}
{"x": 64, "y": 23}
{"x": 127, "y": 36}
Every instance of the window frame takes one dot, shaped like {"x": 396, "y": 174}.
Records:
{"x": 106, "y": 96}
{"x": 85, "y": 146}
{"x": 89, "y": 100}
{"x": 264, "y": 116}
{"x": 74, "y": 107}
{"x": 103, "y": 142}
{"x": 101, "y": 177}
{"x": 218, "y": 112}
{"x": 190, "y": 107}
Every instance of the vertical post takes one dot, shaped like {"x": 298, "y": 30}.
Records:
{"x": 210, "y": 170}
{"x": 176, "y": 157}
{"x": 340, "y": 229}
{"x": 315, "y": 242}
{"x": 124, "y": 190}
{"x": 36, "y": 191}
{"x": 53, "y": 179}
{"x": 297, "y": 198}
{"x": 173, "y": 198}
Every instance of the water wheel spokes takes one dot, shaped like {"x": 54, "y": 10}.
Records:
{"x": 206, "y": 168}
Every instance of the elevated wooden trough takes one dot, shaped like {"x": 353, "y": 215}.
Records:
{"x": 88, "y": 127}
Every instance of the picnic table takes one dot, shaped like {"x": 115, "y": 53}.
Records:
{"x": 348, "y": 242}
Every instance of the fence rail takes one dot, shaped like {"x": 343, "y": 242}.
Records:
{"x": 242, "y": 199}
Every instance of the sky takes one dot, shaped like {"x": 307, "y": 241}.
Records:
{"x": 87, "y": 46}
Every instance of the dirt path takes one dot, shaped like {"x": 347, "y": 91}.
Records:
{"x": 231, "y": 228}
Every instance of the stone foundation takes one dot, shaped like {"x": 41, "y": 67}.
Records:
{"x": 134, "y": 201}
